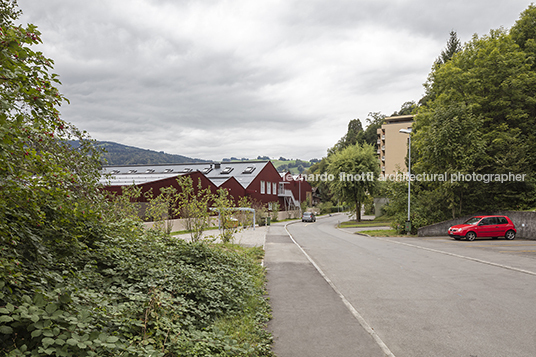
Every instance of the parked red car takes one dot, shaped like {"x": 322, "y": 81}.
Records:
{"x": 484, "y": 226}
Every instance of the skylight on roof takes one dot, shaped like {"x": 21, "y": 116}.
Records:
{"x": 149, "y": 171}
{"x": 186, "y": 170}
{"x": 206, "y": 170}
{"x": 115, "y": 172}
{"x": 226, "y": 170}
{"x": 168, "y": 170}
{"x": 249, "y": 170}
{"x": 132, "y": 171}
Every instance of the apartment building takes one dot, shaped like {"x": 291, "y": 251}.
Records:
{"x": 393, "y": 145}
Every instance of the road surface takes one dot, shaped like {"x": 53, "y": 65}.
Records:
{"x": 339, "y": 294}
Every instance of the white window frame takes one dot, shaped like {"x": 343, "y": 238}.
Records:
{"x": 274, "y": 188}
{"x": 262, "y": 188}
{"x": 268, "y": 188}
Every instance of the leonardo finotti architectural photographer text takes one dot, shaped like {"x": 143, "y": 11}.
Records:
{"x": 444, "y": 177}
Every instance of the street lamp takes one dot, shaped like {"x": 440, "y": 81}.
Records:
{"x": 408, "y": 131}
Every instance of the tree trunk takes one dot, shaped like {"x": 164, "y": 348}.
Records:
{"x": 357, "y": 210}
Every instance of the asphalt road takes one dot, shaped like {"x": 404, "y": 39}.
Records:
{"x": 399, "y": 296}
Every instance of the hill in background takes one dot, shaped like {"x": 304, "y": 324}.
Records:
{"x": 294, "y": 166}
{"x": 119, "y": 154}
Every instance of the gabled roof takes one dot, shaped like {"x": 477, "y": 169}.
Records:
{"x": 244, "y": 172}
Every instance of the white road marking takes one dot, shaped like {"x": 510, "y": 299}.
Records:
{"x": 348, "y": 305}
{"x": 460, "y": 256}
{"x": 454, "y": 255}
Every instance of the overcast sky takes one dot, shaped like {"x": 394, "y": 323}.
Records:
{"x": 214, "y": 78}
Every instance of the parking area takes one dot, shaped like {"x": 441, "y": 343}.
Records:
{"x": 501, "y": 245}
{"x": 518, "y": 253}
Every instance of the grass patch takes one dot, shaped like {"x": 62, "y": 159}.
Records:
{"x": 386, "y": 219}
{"x": 376, "y": 222}
{"x": 384, "y": 233}
{"x": 353, "y": 224}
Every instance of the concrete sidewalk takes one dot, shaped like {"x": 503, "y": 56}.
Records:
{"x": 309, "y": 317}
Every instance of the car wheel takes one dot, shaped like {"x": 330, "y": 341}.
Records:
{"x": 510, "y": 235}
{"x": 470, "y": 236}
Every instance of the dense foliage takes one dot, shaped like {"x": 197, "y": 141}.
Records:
{"x": 77, "y": 276}
{"x": 355, "y": 137}
{"x": 479, "y": 118}
{"x": 354, "y": 171}
{"x": 141, "y": 293}
{"x": 48, "y": 195}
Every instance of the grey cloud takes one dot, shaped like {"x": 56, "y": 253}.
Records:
{"x": 182, "y": 77}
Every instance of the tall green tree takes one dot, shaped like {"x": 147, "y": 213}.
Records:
{"x": 484, "y": 95}
{"x": 454, "y": 46}
{"x": 355, "y": 170}
{"x": 441, "y": 150}
{"x": 354, "y": 135}
{"x": 374, "y": 122}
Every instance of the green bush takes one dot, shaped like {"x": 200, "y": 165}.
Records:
{"x": 142, "y": 293}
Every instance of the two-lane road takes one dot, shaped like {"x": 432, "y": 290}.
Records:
{"x": 428, "y": 298}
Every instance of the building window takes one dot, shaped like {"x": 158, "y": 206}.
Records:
{"x": 268, "y": 188}
{"x": 274, "y": 188}
{"x": 262, "y": 188}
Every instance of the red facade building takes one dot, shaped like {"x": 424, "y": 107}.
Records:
{"x": 257, "y": 180}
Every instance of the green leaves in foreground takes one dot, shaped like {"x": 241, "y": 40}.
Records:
{"x": 145, "y": 294}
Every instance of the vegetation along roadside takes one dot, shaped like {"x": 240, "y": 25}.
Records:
{"x": 80, "y": 277}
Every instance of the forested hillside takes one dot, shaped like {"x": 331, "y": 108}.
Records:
{"x": 118, "y": 154}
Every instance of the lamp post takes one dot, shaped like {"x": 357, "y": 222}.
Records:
{"x": 408, "y": 131}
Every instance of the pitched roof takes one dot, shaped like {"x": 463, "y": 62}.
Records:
{"x": 244, "y": 172}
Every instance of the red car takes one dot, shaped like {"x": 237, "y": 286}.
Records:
{"x": 484, "y": 226}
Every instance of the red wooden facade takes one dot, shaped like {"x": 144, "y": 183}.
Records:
{"x": 261, "y": 185}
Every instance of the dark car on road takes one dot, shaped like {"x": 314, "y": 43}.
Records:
{"x": 308, "y": 217}
{"x": 484, "y": 226}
